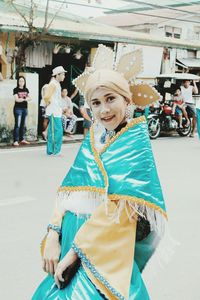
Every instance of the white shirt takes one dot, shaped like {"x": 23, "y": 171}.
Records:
{"x": 187, "y": 94}
{"x": 67, "y": 103}
{"x": 55, "y": 107}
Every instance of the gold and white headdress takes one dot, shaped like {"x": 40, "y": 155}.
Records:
{"x": 104, "y": 69}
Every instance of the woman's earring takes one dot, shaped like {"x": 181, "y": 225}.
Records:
{"x": 129, "y": 112}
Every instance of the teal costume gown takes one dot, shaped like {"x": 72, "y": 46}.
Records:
{"x": 198, "y": 121}
{"x": 127, "y": 159}
{"x": 55, "y": 134}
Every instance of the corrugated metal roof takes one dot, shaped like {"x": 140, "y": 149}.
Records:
{"x": 87, "y": 30}
{"x": 190, "y": 62}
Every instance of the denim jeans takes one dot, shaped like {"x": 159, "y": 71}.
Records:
{"x": 19, "y": 129}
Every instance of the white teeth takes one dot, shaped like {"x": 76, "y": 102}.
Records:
{"x": 107, "y": 118}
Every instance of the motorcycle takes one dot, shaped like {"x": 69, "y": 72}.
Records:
{"x": 161, "y": 120}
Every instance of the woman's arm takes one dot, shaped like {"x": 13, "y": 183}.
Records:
{"x": 68, "y": 260}
{"x": 49, "y": 91}
{"x": 84, "y": 113}
{"x": 99, "y": 252}
{"x": 52, "y": 244}
{"x": 51, "y": 252}
{"x": 28, "y": 98}
{"x": 194, "y": 89}
{"x": 17, "y": 99}
{"x": 74, "y": 94}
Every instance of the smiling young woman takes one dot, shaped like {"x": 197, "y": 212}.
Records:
{"x": 109, "y": 108}
{"x": 110, "y": 210}
{"x": 21, "y": 96}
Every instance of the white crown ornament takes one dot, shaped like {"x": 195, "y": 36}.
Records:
{"x": 129, "y": 66}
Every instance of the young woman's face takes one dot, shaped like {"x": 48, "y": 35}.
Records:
{"x": 108, "y": 108}
{"x": 21, "y": 82}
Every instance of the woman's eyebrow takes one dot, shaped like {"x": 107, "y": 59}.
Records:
{"x": 107, "y": 95}
{"x": 95, "y": 99}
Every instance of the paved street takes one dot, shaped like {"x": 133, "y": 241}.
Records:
{"x": 29, "y": 180}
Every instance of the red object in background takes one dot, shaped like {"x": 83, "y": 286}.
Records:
{"x": 167, "y": 109}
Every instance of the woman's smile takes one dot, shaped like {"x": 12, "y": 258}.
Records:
{"x": 108, "y": 107}
{"x": 107, "y": 119}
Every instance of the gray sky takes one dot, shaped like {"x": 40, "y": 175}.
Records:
{"x": 92, "y": 12}
{"x": 72, "y": 7}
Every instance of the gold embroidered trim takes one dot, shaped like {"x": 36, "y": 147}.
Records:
{"x": 124, "y": 129}
{"x": 81, "y": 188}
{"x": 97, "y": 158}
{"x": 138, "y": 201}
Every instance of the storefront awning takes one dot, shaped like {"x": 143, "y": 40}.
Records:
{"x": 189, "y": 62}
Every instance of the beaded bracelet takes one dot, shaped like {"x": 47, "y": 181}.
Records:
{"x": 55, "y": 228}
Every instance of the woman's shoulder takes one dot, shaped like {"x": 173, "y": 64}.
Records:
{"x": 26, "y": 90}
{"x": 15, "y": 90}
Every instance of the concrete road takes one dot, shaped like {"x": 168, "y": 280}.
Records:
{"x": 28, "y": 184}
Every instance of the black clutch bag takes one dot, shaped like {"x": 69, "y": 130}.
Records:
{"x": 69, "y": 273}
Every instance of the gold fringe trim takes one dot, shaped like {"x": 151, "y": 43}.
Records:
{"x": 81, "y": 188}
{"x": 97, "y": 158}
{"x": 138, "y": 201}
{"x": 124, "y": 129}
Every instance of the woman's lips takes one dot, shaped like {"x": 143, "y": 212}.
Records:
{"x": 107, "y": 119}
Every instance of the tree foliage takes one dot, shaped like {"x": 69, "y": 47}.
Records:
{"x": 33, "y": 35}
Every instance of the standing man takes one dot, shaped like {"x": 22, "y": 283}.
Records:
{"x": 52, "y": 98}
{"x": 187, "y": 90}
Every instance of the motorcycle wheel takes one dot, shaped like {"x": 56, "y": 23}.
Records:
{"x": 153, "y": 128}
{"x": 185, "y": 131}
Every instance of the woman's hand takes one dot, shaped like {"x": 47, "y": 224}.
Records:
{"x": 67, "y": 260}
{"x": 28, "y": 98}
{"x": 51, "y": 252}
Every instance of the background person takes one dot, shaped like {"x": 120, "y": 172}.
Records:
{"x": 68, "y": 117}
{"x": 198, "y": 116}
{"x": 179, "y": 107}
{"x": 53, "y": 100}
{"x": 44, "y": 117}
{"x": 86, "y": 114}
{"x": 21, "y": 96}
{"x": 187, "y": 91}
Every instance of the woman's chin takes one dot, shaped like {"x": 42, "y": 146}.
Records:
{"x": 110, "y": 127}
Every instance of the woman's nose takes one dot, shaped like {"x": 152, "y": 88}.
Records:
{"x": 105, "y": 108}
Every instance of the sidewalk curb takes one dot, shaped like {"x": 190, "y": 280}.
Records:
{"x": 40, "y": 143}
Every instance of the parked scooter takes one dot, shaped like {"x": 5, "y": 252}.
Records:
{"x": 138, "y": 112}
{"x": 161, "y": 119}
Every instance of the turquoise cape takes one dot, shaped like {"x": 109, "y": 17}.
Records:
{"x": 124, "y": 168}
